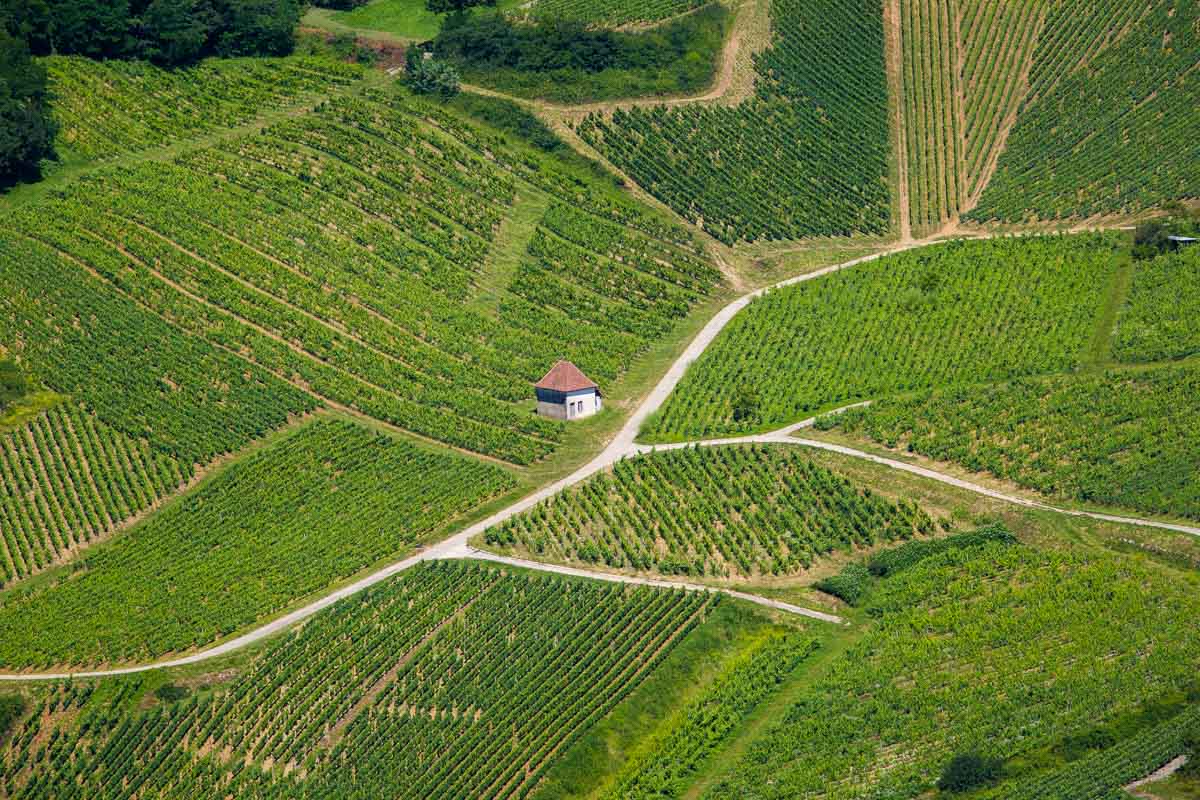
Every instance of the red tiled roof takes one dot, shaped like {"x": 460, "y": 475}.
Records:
{"x": 566, "y": 377}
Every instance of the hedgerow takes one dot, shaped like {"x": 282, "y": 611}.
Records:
{"x": 453, "y": 680}
{"x": 288, "y": 520}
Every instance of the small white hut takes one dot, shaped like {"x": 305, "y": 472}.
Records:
{"x": 566, "y": 393}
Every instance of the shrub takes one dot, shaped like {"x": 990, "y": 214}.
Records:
{"x": 849, "y": 585}
{"x": 170, "y": 692}
{"x": 968, "y": 771}
{"x": 11, "y": 707}
{"x": 897, "y": 559}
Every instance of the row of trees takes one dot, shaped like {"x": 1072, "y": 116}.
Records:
{"x": 167, "y": 32}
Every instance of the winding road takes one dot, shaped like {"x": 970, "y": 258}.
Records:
{"x": 624, "y": 445}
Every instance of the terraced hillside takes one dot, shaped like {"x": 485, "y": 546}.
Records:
{"x": 1047, "y": 110}
{"x": 994, "y": 669}
{"x": 290, "y": 519}
{"x": 954, "y": 313}
{"x": 806, "y": 155}
{"x": 613, "y": 12}
{"x": 367, "y": 256}
{"x": 726, "y": 512}
{"x": 485, "y": 675}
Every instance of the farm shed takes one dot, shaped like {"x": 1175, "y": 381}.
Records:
{"x": 566, "y": 393}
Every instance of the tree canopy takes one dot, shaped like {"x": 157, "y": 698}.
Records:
{"x": 26, "y": 128}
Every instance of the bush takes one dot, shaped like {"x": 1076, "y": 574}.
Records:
{"x": 170, "y": 692}
{"x": 427, "y": 76}
{"x": 969, "y": 771}
{"x": 11, "y": 707}
{"x": 850, "y": 584}
{"x": 897, "y": 559}
{"x": 510, "y": 117}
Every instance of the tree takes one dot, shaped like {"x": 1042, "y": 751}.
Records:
{"x": 455, "y": 6}
{"x": 259, "y": 27}
{"x": 93, "y": 28}
{"x": 1149, "y": 240}
{"x": 26, "y": 128}
{"x": 745, "y": 404}
{"x": 426, "y": 76}
{"x": 968, "y": 771}
{"x": 177, "y": 31}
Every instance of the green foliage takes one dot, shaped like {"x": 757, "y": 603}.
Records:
{"x": 27, "y": 129}
{"x": 850, "y": 585}
{"x": 613, "y": 12}
{"x": 704, "y": 726}
{"x": 979, "y": 650}
{"x": 68, "y": 480}
{"x": 105, "y": 110}
{"x": 455, "y": 6}
{"x": 511, "y": 117}
{"x": 969, "y": 771}
{"x": 342, "y": 249}
{"x": 1159, "y": 320}
{"x": 12, "y": 382}
{"x": 1121, "y": 437}
{"x": 429, "y": 76}
{"x": 288, "y": 520}
{"x": 990, "y": 310}
{"x": 806, "y": 155}
{"x": 570, "y": 61}
{"x": 168, "y": 32}
{"x": 710, "y": 511}
{"x": 171, "y": 693}
{"x": 439, "y": 660}
{"x": 12, "y": 706}
{"x": 887, "y": 563}
{"x": 142, "y": 376}
{"x": 1120, "y": 135}
{"x": 1150, "y": 239}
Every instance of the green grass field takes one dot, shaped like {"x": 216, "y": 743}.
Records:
{"x": 407, "y": 20}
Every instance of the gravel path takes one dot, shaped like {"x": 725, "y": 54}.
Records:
{"x": 624, "y": 445}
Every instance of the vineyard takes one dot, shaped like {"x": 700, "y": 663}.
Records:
{"x": 67, "y": 480}
{"x": 961, "y": 312}
{"x": 451, "y": 681}
{"x": 613, "y": 12}
{"x": 805, "y": 156}
{"x": 106, "y": 109}
{"x": 965, "y": 67}
{"x": 729, "y": 511}
{"x": 706, "y": 723}
{"x": 1118, "y": 438}
{"x": 339, "y": 252}
{"x": 1113, "y": 92}
{"x": 980, "y": 650}
{"x": 1159, "y": 320}
{"x": 288, "y": 520}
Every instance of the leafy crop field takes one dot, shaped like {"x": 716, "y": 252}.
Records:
{"x": 341, "y": 253}
{"x": 1124, "y": 438}
{"x": 290, "y": 519}
{"x": 1159, "y": 321}
{"x": 68, "y": 479}
{"x": 983, "y": 650}
{"x": 727, "y": 511}
{"x": 107, "y": 109}
{"x": 806, "y": 156}
{"x": 1113, "y": 95}
{"x": 453, "y": 680}
{"x": 955, "y": 313}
